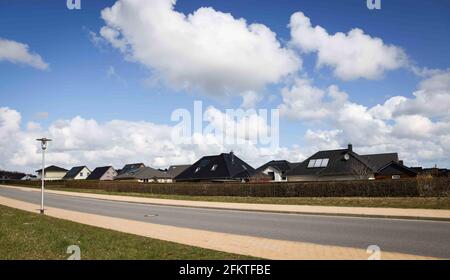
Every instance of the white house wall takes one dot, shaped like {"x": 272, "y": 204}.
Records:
{"x": 278, "y": 176}
{"x": 82, "y": 175}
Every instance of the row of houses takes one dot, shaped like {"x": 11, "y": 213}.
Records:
{"x": 329, "y": 165}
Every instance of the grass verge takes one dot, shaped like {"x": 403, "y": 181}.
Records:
{"x": 390, "y": 202}
{"x": 25, "y": 235}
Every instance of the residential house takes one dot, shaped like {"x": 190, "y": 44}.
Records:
{"x": 276, "y": 170}
{"x": 395, "y": 170}
{"x": 77, "y": 173}
{"x": 431, "y": 172}
{"x": 218, "y": 168}
{"x": 11, "y": 175}
{"x": 145, "y": 175}
{"x": 29, "y": 177}
{"x": 52, "y": 172}
{"x": 175, "y": 170}
{"x": 345, "y": 164}
{"x": 103, "y": 173}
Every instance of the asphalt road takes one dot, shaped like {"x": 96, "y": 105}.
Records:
{"x": 426, "y": 238}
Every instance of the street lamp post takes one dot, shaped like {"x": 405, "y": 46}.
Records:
{"x": 44, "y": 147}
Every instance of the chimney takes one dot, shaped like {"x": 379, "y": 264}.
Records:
{"x": 400, "y": 162}
{"x": 350, "y": 148}
{"x": 232, "y": 157}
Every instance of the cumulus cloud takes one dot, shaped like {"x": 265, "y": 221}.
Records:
{"x": 407, "y": 125}
{"x": 432, "y": 98}
{"x": 16, "y": 52}
{"x": 207, "y": 50}
{"x": 353, "y": 55}
{"x": 306, "y": 102}
{"x": 84, "y": 141}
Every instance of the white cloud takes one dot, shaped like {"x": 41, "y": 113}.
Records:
{"x": 207, "y": 50}
{"x": 306, "y": 102}
{"x": 419, "y": 134}
{"x": 250, "y": 99}
{"x": 79, "y": 141}
{"x": 432, "y": 98}
{"x": 353, "y": 55}
{"x": 16, "y": 52}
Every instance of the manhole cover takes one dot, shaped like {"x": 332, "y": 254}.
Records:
{"x": 150, "y": 215}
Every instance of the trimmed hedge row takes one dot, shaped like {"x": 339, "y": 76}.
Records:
{"x": 430, "y": 187}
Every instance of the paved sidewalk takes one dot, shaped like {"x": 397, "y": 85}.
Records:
{"x": 429, "y": 214}
{"x": 232, "y": 243}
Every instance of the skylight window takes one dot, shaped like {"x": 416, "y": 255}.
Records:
{"x": 214, "y": 167}
{"x": 320, "y": 162}
{"x": 197, "y": 169}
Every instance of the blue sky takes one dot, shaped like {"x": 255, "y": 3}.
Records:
{"x": 77, "y": 83}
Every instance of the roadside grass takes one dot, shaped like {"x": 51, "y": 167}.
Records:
{"x": 389, "y": 202}
{"x": 25, "y": 235}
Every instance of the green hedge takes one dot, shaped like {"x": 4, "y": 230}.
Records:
{"x": 430, "y": 187}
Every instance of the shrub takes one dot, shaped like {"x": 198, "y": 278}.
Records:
{"x": 429, "y": 187}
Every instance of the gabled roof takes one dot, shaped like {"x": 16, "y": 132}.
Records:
{"x": 130, "y": 167}
{"x": 53, "y": 168}
{"x": 376, "y": 161}
{"x": 11, "y": 175}
{"x": 98, "y": 172}
{"x": 142, "y": 174}
{"x": 175, "y": 170}
{"x": 73, "y": 172}
{"x": 281, "y": 165}
{"x": 393, "y": 165}
{"x": 223, "y": 167}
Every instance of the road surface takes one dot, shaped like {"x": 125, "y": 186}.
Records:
{"x": 418, "y": 237}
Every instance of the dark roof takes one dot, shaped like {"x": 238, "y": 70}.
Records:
{"x": 98, "y": 173}
{"x": 175, "y": 170}
{"x": 393, "y": 167}
{"x": 282, "y": 165}
{"x": 53, "y": 168}
{"x": 73, "y": 172}
{"x": 228, "y": 167}
{"x": 143, "y": 173}
{"x": 130, "y": 167}
{"x": 11, "y": 175}
{"x": 377, "y": 161}
{"x": 338, "y": 165}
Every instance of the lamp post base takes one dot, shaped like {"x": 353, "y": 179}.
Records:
{"x": 41, "y": 211}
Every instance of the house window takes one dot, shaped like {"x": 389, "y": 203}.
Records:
{"x": 320, "y": 162}
{"x": 81, "y": 174}
{"x": 214, "y": 167}
{"x": 395, "y": 177}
